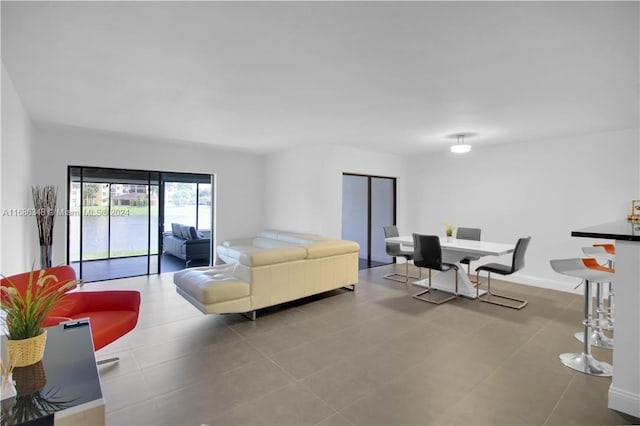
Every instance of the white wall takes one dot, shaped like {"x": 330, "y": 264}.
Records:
{"x": 304, "y": 186}
{"x": 239, "y": 186}
{"x": 16, "y": 254}
{"x": 545, "y": 189}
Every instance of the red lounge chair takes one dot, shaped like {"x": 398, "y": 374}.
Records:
{"x": 112, "y": 314}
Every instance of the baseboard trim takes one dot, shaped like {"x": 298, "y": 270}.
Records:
{"x": 543, "y": 283}
{"x": 533, "y": 281}
{"x": 623, "y": 401}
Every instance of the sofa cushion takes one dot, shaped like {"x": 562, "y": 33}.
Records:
{"x": 268, "y": 233}
{"x": 298, "y": 238}
{"x": 184, "y": 232}
{"x": 236, "y": 251}
{"x": 261, "y": 257}
{"x": 330, "y": 248}
{"x": 193, "y": 234}
{"x": 261, "y": 242}
{"x": 211, "y": 286}
{"x": 176, "y": 230}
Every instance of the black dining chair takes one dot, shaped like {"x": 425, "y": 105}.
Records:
{"x": 517, "y": 263}
{"x": 468, "y": 234}
{"x": 427, "y": 253}
{"x": 395, "y": 250}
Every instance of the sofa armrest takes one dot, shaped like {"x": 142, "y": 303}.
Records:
{"x": 197, "y": 246}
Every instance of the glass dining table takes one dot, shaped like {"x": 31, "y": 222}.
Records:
{"x": 454, "y": 250}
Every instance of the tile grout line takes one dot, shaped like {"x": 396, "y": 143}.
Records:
{"x": 553, "y": 410}
{"x": 291, "y": 376}
{"x": 488, "y": 376}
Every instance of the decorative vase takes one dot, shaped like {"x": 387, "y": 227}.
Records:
{"x": 30, "y": 379}
{"x": 26, "y": 351}
{"x": 46, "y": 255}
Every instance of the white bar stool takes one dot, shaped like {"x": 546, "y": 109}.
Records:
{"x": 590, "y": 271}
{"x": 604, "y": 315}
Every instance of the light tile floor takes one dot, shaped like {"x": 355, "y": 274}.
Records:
{"x": 375, "y": 356}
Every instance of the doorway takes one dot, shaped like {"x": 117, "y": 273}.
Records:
{"x": 368, "y": 204}
{"x": 115, "y": 225}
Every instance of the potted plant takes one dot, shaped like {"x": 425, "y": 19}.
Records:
{"x": 25, "y": 312}
{"x": 449, "y": 228}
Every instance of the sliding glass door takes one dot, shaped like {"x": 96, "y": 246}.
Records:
{"x": 368, "y": 204}
{"x": 116, "y": 225}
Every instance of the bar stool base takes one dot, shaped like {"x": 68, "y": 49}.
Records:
{"x": 604, "y": 324}
{"x": 597, "y": 339}
{"x": 587, "y": 364}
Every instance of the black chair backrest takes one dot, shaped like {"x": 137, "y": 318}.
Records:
{"x": 518, "y": 254}
{"x": 468, "y": 234}
{"x": 427, "y": 252}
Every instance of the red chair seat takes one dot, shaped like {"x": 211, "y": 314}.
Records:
{"x": 107, "y": 326}
{"x": 111, "y": 313}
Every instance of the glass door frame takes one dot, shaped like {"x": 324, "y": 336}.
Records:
{"x": 369, "y": 207}
{"x": 77, "y": 174}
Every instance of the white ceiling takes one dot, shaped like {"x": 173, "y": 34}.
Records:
{"x": 388, "y": 76}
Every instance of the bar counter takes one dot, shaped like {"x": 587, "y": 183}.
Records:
{"x": 624, "y": 392}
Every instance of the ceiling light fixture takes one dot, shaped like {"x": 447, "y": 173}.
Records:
{"x": 460, "y": 147}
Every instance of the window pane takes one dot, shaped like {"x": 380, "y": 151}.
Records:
{"x": 95, "y": 221}
{"x": 129, "y": 220}
{"x": 204, "y": 207}
{"x": 180, "y": 204}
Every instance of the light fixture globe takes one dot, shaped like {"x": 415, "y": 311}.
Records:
{"x": 460, "y": 147}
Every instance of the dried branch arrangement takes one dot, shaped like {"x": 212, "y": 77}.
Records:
{"x": 6, "y": 370}
{"x": 44, "y": 201}
{"x": 7, "y": 385}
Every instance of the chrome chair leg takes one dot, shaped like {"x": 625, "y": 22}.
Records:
{"x": 400, "y": 277}
{"x": 487, "y": 299}
{"x": 475, "y": 283}
{"x": 584, "y": 361}
{"x": 430, "y": 289}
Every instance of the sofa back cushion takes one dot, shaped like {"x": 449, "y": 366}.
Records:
{"x": 290, "y": 237}
{"x": 268, "y": 233}
{"x": 184, "y": 231}
{"x": 294, "y": 238}
{"x": 193, "y": 234}
{"x": 272, "y": 256}
{"x": 331, "y": 248}
{"x": 176, "y": 229}
{"x": 269, "y": 243}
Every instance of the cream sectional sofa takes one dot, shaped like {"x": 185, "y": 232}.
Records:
{"x": 271, "y": 268}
